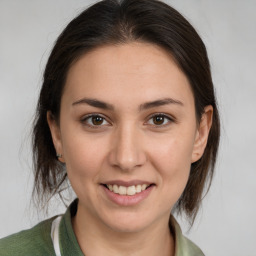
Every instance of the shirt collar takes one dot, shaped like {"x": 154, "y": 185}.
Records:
{"x": 70, "y": 246}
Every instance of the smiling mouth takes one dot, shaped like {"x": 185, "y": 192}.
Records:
{"x": 127, "y": 191}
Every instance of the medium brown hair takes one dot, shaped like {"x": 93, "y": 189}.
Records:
{"x": 118, "y": 22}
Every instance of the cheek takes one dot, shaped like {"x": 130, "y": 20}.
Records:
{"x": 173, "y": 160}
{"x": 173, "y": 153}
{"x": 83, "y": 155}
{"x": 83, "y": 163}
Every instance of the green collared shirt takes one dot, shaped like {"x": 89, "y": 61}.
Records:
{"x": 37, "y": 240}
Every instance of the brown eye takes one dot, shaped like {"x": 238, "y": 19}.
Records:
{"x": 160, "y": 120}
{"x": 94, "y": 121}
{"x": 97, "y": 120}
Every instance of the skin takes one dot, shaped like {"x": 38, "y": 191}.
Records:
{"x": 128, "y": 144}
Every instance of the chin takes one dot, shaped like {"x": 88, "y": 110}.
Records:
{"x": 128, "y": 222}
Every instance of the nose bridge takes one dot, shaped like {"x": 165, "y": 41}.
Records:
{"x": 127, "y": 151}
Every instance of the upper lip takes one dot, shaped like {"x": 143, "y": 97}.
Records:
{"x": 126, "y": 183}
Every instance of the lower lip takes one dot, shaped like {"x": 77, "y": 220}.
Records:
{"x": 125, "y": 200}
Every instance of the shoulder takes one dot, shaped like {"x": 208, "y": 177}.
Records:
{"x": 35, "y": 241}
{"x": 183, "y": 246}
{"x": 187, "y": 247}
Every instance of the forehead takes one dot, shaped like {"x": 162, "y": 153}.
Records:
{"x": 134, "y": 70}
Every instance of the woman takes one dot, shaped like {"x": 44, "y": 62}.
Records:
{"x": 127, "y": 115}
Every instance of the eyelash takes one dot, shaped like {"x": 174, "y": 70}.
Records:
{"x": 169, "y": 120}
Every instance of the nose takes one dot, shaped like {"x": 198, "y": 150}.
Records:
{"x": 127, "y": 149}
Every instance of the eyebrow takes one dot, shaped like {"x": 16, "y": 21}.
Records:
{"x": 103, "y": 105}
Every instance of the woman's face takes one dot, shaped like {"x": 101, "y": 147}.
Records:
{"x": 127, "y": 119}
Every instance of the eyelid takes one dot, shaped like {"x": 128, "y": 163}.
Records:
{"x": 86, "y": 117}
{"x": 169, "y": 117}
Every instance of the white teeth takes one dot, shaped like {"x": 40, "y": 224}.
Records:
{"x": 115, "y": 189}
{"x": 122, "y": 190}
{"x": 138, "y": 188}
{"x": 110, "y": 187}
{"x": 143, "y": 187}
{"x": 130, "y": 191}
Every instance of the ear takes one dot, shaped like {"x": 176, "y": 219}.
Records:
{"x": 202, "y": 133}
{"x": 56, "y": 136}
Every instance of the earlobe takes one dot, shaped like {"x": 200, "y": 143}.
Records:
{"x": 202, "y": 133}
{"x": 56, "y": 136}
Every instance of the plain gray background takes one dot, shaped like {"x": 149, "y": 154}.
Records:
{"x": 226, "y": 225}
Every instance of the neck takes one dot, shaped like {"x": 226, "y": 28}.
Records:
{"x": 95, "y": 238}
